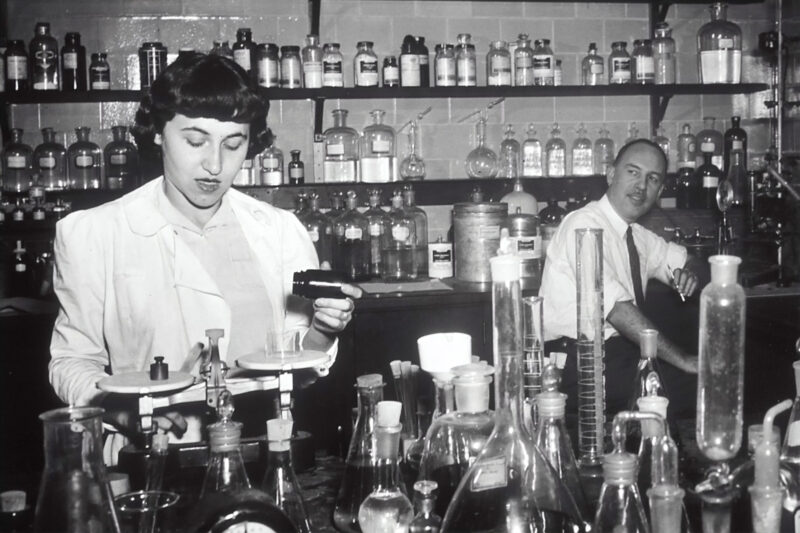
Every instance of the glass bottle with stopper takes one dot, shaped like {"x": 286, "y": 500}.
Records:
{"x": 17, "y": 163}
{"x": 426, "y": 520}
{"x": 319, "y": 229}
{"x": 582, "y": 160}
{"x": 509, "y": 155}
{"x": 556, "y": 154}
{"x": 604, "y": 153}
{"x": 386, "y": 508}
{"x": 378, "y": 224}
{"x": 121, "y": 159}
{"x": 280, "y": 481}
{"x": 412, "y": 167}
{"x": 341, "y": 150}
{"x": 85, "y": 160}
{"x": 378, "y": 151}
{"x": 352, "y": 241}
{"x": 620, "y": 505}
{"x": 50, "y": 161}
{"x": 481, "y": 161}
{"x": 398, "y": 254}
{"x": 719, "y": 48}
{"x": 532, "y": 155}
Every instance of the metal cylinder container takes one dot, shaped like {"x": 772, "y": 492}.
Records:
{"x": 476, "y": 228}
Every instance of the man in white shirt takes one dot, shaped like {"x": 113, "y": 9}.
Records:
{"x": 632, "y": 255}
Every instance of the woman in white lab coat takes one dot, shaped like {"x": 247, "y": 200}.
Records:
{"x": 147, "y": 274}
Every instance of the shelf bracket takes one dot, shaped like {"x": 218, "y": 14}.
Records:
{"x": 658, "y": 108}
{"x": 319, "y": 111}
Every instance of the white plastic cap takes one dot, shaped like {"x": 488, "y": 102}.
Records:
{"x": 505, "y": 268}
{"x": 389, "y": 413}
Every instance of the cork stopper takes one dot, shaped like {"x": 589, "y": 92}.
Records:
{"x": 389, "y": 413}
{"x": 369, "y": 381}
{"x": 648, "y": 343}
{"x": 224, "y": 436}
{"x": 279, "y": 434}
{"x": 505, "y": 268}
{"x": 551, "y": 404}
{"x": 619, "y": 468}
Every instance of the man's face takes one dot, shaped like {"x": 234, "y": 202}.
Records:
{"x": 636, "y": 182}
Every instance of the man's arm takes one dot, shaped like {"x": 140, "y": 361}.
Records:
{"x": 629, "y": 321}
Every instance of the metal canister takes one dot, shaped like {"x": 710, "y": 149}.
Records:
{"x": 523, "y": 230}
{"x": 152, "y": 61}
{"x": 476, "y": 228}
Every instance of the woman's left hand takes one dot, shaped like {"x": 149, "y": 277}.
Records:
{"x": 331, "y": 315}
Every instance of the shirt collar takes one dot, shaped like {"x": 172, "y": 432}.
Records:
{"x": 617, "y": 222}
{"x": 223, "y": 217}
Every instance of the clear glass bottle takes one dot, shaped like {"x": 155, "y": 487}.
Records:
{"x": 481, "y": 161}
{"x": 737, "y": 177}
{"x": 633, "y": 133}
{"x": 455, "y": 439}
{"x": 532, "y": 155}
{"x": 648, "y": 380}
{"x": 99, "y": 73}
{"x": 498, "y": 64}
{"x": 510, "y": 484}
{"x": 620, "y": 505}
{"x": 320, "y": 230}
{"x": 122, "y": 160}
{"x": 391, "y": 72}
{"x": 341, "y": 150}
{"x": 553, "y": 439}
{"x": 270, "y": 162}
{"x": 421, "y": 225}
{"x": 719, "y": 48}
{"x": 582, "y": 158}
{"x": 50, "y": 161}
{"x": 709, "y": 176}
{"x": 619, "y": 63}
{"x": 687, "y": 148}
{"x": 379, "y": 232}
{"x": 663, "y": 142}
{"x": 17, "y": 163}
{"x": 556, "y": 154}
{"x": 664, "y": 57}
{"x": 244, "y": 50}
{"x": 332, "y": 62}
{"x": 378, "y": 151}
{"x": 386, "y": 508}
{"x": 269, "y": 65}
{"x": 16, "y": 62}
{"x": 593, "y": 67}
{"x": 735, "y": 140}
{"x": 523, "y": 61}
{"x": 365, "y": 65}
{"x": 352, "y": 241}
{"x": 466, "y": 63}
{"x": 790, "y": 452}
{"x": 409, "y": 63}
{"x": 73, "y": 63}
{"x": 44, "y": 53}
{"x": 604, "y": 152}
{"x": 643, "y": 71}
{"x": 710, "y": 140}
{"x": 225, "y": 471}
{"x": 311, "y": 55}
{"x": 360, "y": 471}
{"x": 280, "y": 481}
{"x": 398, "y": 255}
{"x": 296, "y": 168}
{"x": 291, "y": 67}
{"x": 445, "y": 65}
{"x": 426, "y": 520}
{"x": 74, "y": 473}
{"x": 720, "y": 377}
{"x": 508, "y": 165}
{"x": 658, "y": 453}
{"x": 543, "y": 63}
{"x": 84, "y": 162}
{"x": 412, "y": 167}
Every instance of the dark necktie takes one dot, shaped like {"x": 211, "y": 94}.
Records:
{"x": 636, "y": 271}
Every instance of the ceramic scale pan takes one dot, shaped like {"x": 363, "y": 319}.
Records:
{"x": 140, "y": 383}
{"x": 282, "y": 361}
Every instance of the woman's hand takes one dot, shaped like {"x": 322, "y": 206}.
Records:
{"x": 331, "y": 315}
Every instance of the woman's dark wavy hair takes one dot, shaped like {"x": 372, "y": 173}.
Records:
{"x": 200, "y": 85}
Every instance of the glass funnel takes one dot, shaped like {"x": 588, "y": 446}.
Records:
{"x": 509, "y": 155}
{"x": 482, "y": 161}
{"x": 74, "y": 494}
{"x": 412, "y": 167}
{"x": 556, "y": 154}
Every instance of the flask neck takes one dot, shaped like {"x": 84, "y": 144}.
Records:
{"x": 719, "y": 11}
{"x": 445, "y": 397}
{"x": 279, "y": 458}
{"x": 424, "y": 504}
{"x": 507, "y": 311}
{"x": 388, "y": 443}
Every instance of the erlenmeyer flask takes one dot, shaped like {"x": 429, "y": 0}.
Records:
{"x": 361, "y": 466}
{"x": 280, "y": 481}
{"x": 74, "y": 494}
{"x": 510, "y": 486}
{"x": 620, "y": 506}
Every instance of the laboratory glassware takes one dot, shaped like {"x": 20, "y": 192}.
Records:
{"x": 379, "y": 234}
{"x": 658, "y": 453}
{"x": 332, "y": 74}
{"x": 735, "y": 140}
{"x": 409, "y": 63}
{"x": 533, "y": 357}
{"x": 352, "y": 241}
{"x": 582, "y": 154}
{"x": 508, "y": 166}
{"x": 711, "y": 140}
{"x": 498, "y": 64}
{"x": 341, "y": 150}
{"x": 73, "y": 63}
{"x": 271, "y": 163}
{"x": 421, "y": 225}
{"x": 378, "y": 151}
{"x": 663, "y": 142}
{"x": 532, "y": 155}
{"x": 687, "y": 148}
{"x": 365, "y": 65}
{"x": 790, "y": 452}
{"x": 398, "y": 257}
{"x": 244, "y": 50}
{"x": 426, "y": 520}
{"x": 648, "y": 380}
{"x": 543, "y": 63}
{"x": 84, "y": 162}
{"x": 519, "y": 201}
{"x": 319, "y": 229}
{"x": 297, "y": 171}
{"x": 556, "y": 154}
{"x": 620, "y": 506}
{"x": 466, "y": 69}
{"x": 604, "y": 153}
{"x": 17, "y": 163}
{"x": 311, "y": 55}
{"x": 709, "y": 176}
{"x": 280, "y": 481}
{"x": 766, "y": 492}
{"x": 664, "y": 57}
{"x": 592, "y": 67}
{"x": 412, "y": 167}
{"x": 291, "y": 67}
{"x": 445, "y": 65}
{"x": 122, "y": 160}
{"x": 737, "y": 177}
{"x": 619, "y": 63}
{"x": 719, "y": 48}
{"x": 481, "y": 161}
{"x": 643, "y": 71}
{"x": 44, "y": 52}
{"x": 523, "y": 61}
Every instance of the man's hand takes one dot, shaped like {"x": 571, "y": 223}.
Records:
{"x": 122, "y": 412}
{"x": 331, "y": 315}
{"x": 684, "y": 281}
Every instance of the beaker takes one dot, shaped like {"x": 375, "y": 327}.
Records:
{"x": 153, "y": 507}
{"x": 74, "y": 494}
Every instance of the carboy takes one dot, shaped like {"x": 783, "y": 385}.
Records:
{"x": 481, "y": 161}
{"x": 280, "y": 481}
{"x": 719, "y": 48}
{"x": 341, "y": 150}
{"x": 377, "y": 151}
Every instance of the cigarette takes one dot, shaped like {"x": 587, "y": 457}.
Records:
{"x": 672, "y": 277}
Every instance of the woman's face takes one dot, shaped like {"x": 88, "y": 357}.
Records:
{"x": 201, "y": 158}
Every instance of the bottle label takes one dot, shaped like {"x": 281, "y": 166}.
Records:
{"x": 15, "y": 161}
{"x": 707, "y": 147}
{"x": 353, "y": 234}
{"x": 47, "y": 162}
{"x": 70, "y": 60}
{"x": 737, "y": 144}
{"x": 375, "y": 229}
{"x": 297, "y": 172}
{"x": 620, "y": 69}
{"x": 710, "y": 182}
{"x": 17, "y": 68}
{"x": 367, "y": 72}
{"x": 100, "y": 85}
{"x": 84, "y": 161}
{"x": 312, "y": 72}
{"x": 440, "y": 260}
{"x": 38, "y": 214}
{"x": 645, "y": 68}
{"x": 332, "y": 74}
{"x": 400, "y": 233}
{"x": 445, "y": 72}
{"x": 597, "y": 68}
{"x": 381, "y": 146}
{"x": 118, "y": 159}
{"x": 313, "y": 234}
{"x": 724, "y": 43}
{"x": 334, "y": 149}
{"x": 489, "y": 232}
{"x": 242, "y": 57}
{"x": 490, "y": 474}
{"x": 272, "y": 178}
{"x": 528, "y": 247}
{"x": 465, "y": 73}
{"x": 543, "y": 69}
{"x": 409, "y": 70}
{"x": 269, "y": 163}
{"x": 268, "y": 73}
{"x": 720, "y": 66}
{"x": 500, "y": 71}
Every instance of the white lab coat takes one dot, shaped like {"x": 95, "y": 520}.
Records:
{"x": 129, "y": 289}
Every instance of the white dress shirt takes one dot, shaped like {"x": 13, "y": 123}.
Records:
{"x": 657, "y": 258}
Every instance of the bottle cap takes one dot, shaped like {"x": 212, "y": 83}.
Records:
{"x": 472, "y": 387}
{"x": 653, "y": 404}
{"x": 425, "y": 487}
{"x": 551, "y": 404}
{"x": 619, "y": 468}
{"x": 724, "y": 269}
{"x": 389, "y": 413}
{"x": 505, "y": 268}
{"x": 648, "y": 343}
{"x": 369, "y": 381}
{"x": 279, "y": 434}
{"x": 19, "y": 249}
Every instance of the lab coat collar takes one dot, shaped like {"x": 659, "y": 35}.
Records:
{"x": 141, "y": 209}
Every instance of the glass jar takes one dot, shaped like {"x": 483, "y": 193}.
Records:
{"x": 710, "y": 140}
{"x": 99, "y": 73}
{"x": 719, "y": 48}
{"x": 556, "y": 154}
{"x": 291, "y": 71}
{"x": 592, "y": 67}
{"x": 409, "y": 63}
{"x": 619, "y": 63}
{"x": 604, "y": 153}
{"x": 297, "y": 171}
{"x": 498, "y": 64}
{"x": 508, "y": 165}
{"x": 269, "y": 66}
{"x": 44, "y": 53}
{"x": 391, "y": 72}
{"x": 122, "y": 160}
{"x": 543, "y": 63}
{"x": 244, "y": 50}
{"x": 271, "y": 163}
{"x": 523, "y": 61}
{"x": 466, "y": 69}
{"x": 664, "y": 55}
{"x": 687, "y": 148}
{"x": 445, "y": 65}
{"x": 643, "y": 71}
{"x": 73, "y": 63}
{"x": 17, "y": 163}
{"x": 378, "y": 151}
{"x": 84, "y": 162}
{"x": 365, "y": 65}
{"x": 341, "y": 150}
{"x": 16, "y": 60}
{"x": 532, "y": 155}
{"x": 312, "y": 63}
{"x": 332, "y": 73}
{"x": 482, "y": 161}
{"x": 582, "y": 160}
{"x": 50, "y": 162}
